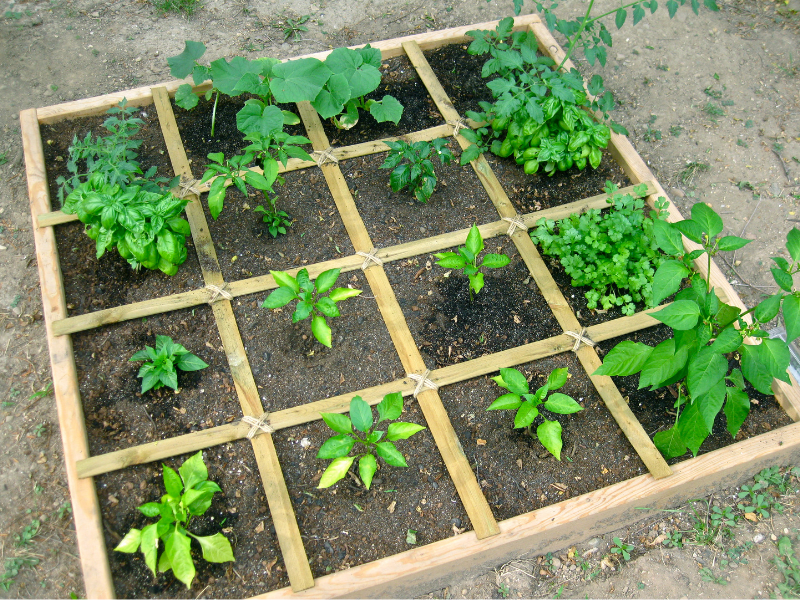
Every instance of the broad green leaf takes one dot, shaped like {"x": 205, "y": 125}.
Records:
{"x": 216, "y": 196}
{"x": 737, "y": 407}
{"x": 667, "y": 279}
{"x": 525, "y": 415}
{"x": 193, "y": 470}
{"x": 495, "y": 261}
{"x": 756, "y": 373}
{"x": 197, "y": 501}
{"x": 706, "y": 370}
{"x": 562, "y": 404}
{"x": 549, "y": 434}
{"x": 185, "y": 97}
{"x": 226, "y": 75}
{"x": 665, "y": 361}
{"x": 514, "y": 381}
{"x": 793, "y": 243}
{"x": 774, "y": 355}
{"x": 402, "y": 431}
{"x": 336, "y": 447}
{"x": 298, "y": 80}
{"x": 766, "y": 310}
{"x": 130, "y": 543}
{"x": 216, "y": 548}
{"x": 327, "y": 307}
{"x": 327, "y": 279}
{"x": 668, "y": 238}
{"x": 181, "y": 66}
{"x": 302, "y": 311}
{"x": 285, "y": 280}
{"x": 450, "y": 260}
{"x": 178, "y": 549}
{"x": 150, "y": 509}
{"x": 692, "y": 428}
{"x": 728, "y": 340}
{"x": 266, "y": 121}
{"x": 253, "y": 84}
{"x": 360, "y": 414}
{"x": 783, "y": 279}
{"x": 390, "y": 454}
{"x": 729, "y": 243}
{"x": 626, "y": 358}
{"x": 172, "y": 482}
{"x": 387, "y": 109}
{"x": 474, "y": 242}
{"x": 391, "y": 407}
{"x": 339, "y": 423}
{"x": 335, "y": 471}
{"x": 339, "y": 294}
{"x": 367, "y": 465}
{"x": 149, "y": 541}
{"x": 727, "y": 314}
{"x": 710, "y": 403}
{"x": 333, "y": 97}
{"x": 362, "y": 78}
{"x": 691, "y": 229}
{"x": 791, "y": 316}
{"x": 190, "y": 362}
{"x": 708, "y": 220}
{"x": 508, "y": 401}
{"x": 278, "y": 298}
{"x": 680, "y": 315}
{"x": 669, "y": 443}
{"x": 619, "y": 18}
{"x": 557, "y": 378}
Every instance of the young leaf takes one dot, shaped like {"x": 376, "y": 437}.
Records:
{"x": 557, "y": 378}
{"x": 190, "y": 362}
{"x": 387, "y": 109}
{"x": 450, "y": 260}
{"x": 495, "y": 261}
{"x": 669, "y": 443}
{"x": 710, "y": 403}
{"x": 506, "y": 402}
{"x": 337, "y": 422}
{"x": 298, "y": 80}
{"x": 321, "y": 330}
{"x": 783, "y": 279}
{"x": 278, "y": 298}
{"x": 692, "y": 427}
{"x": 737, "y": 407}
{"x": 130, "y": 543}
{"x": 178, "y": 548}
{"x": 525, "y": 415}
{"x": 791, "y": 316}
{"x": 474, "y": 242}
{"x": 549, "y": 434}
{"x": 216, "y": 548}
{"x": 562, "y": 404}
{"x": 172, "y": 482}
{"x": 367, "y": 465}
{"x": 390, "y": 454}
{"x": 360, "y": 414}
{"x": 150, "y": 546}
{"x": 285, "y": 280}
{"x": 766, "y": 310}
{"x": 626, "y": 358}
{"x": 793, "y": 243}
{"x": 335, "y": 471}
{"x": 667, "y": 280}
{"x": 391, "y": 407}
{"x": 402, "y": 431}
{"x": 730, "y": 243}
{"x": 706, "y": 369}
{"x": 680, "y": 315}
{"x": 708, "y": 220}
{"x": 327, "y": 279}
{"x": 193, "y": 470}
{"x": 336, "y": 447}
{"x": 753, "y": 370}
{"x": 185, "y": 97}
{"x": 339, "y": 294}
{"x": 514, "y": 381}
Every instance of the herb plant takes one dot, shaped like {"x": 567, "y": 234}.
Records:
{"x": 311, "y": 301}
{"x": 189, "y": 494}
{"x": 412, "y": 166}
{"x": 359, "y": 431}
{"x": 161, "y": 362}
{"x": 528, "y": 405}
{"x": 467, "y": 260}
{"x": 706, "y": 333}
{"x": 612, "y": 251}
{"x": 277, "y": 220}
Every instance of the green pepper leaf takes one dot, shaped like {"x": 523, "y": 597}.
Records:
{"x": 335, "y": 471}
{"x": 336, "y": 447}
{"x": 360, "y": 414}
{"x": 367, "y": 465}
{"x": 216, "y": 548}
{"x": 391, "y": 407}
{"x": 392, "y": 456}
{"x": 549, "y": 434}
{"x": 178, "y": 548}
{"x": 562, "y": 404}
{"x": 337, "y": 422}
{"x": 402, "y": 431}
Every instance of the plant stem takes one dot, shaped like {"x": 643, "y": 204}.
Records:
{"x": 577, "y": 36}
{"x": 214, "y": 114}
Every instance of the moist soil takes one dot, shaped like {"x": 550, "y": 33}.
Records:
{"x": 338, "y": 525}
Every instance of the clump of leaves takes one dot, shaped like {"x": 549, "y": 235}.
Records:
{"x": 466, "y": 259}
{"x": 528, "y": 405}
{"x": 160, "y": 363}
{"x": 706, "y": 332}
{"x": 277, "y": 220}
{"x": 311, "y": 301}
{"x": 622, "y": 548}
{"x": 359, "y": 431}
{"x": 186, "y": 7}
{"x": 189, "y": 494}
{"x": 613, "y": 251}
{"x": 413, "y": 167}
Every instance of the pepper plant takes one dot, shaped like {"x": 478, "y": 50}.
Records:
{"x": 189, "y": 494}
{"x": 311, "y": 301}
{"x": 359, "y": 431}
{"x": 160, "y": 363}
{"x": 466, "y": 259}
{"x": 412, "y": 166}
{"x": 707, "y": 333}
{"x": 612, "y": 251}
{"x": 528, "y": 405}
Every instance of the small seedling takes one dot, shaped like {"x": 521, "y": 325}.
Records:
{"x": 674, "y": 539}
{"x": 622, "y": 548}
{"x": 413, "y": 167}
{"x": 311, "y": 302}
{"x": 40, "y": 429}
{"x": 467, "y": 260}
{"x": 411, "y": 536}
{"x": 675, "y": 130}
{"x": 28, "y": 533}
{"x": 277, "y": 220}
{"x": 45, "y": 391}
{"x": 789, "y": 568}
{"x": 159, "y": 370}
{"x": 359, "y": 429}
{"x": 293, "y": 28}
{"x": 713, "y": 110}
{"x": 708, "y": 575}
{"x": 189, "y": 494}
{"x": 527, "y": 405}
{"x": 503, "y": 590}
{"x": 742, "y": 143}
{"x": 651, "y": 135}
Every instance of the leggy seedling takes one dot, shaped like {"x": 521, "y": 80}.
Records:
{"x": 311, "y": 301}
{"x": 527, "y": 405}
{"x": 189, "y": 494}
{"x": 359, "y": 430}
{"x": 413, "y": 167}
{"x": 161, "y": 362}
{"x": 467, "y": 260}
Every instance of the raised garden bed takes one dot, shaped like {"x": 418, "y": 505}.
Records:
{"x": 468, "y": 504}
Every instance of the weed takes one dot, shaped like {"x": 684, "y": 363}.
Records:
{"x": 28, "y": 533}
{"x": 40, "y": 429}
{"x": 675, "y": 130}
{"x": 45, "y": 391}
{"x": 708, "y": 575}
{"x": 789, "y": 568}
{"x": 185, "y": 7}
{"x": 716, "y": 94}
{"x": 65, "y": 509}
{"x": 713, "y": 110}
{"x": 622, "y": 548}
{"x": 503, "y": 590}
{"x": 745, "y": 185}
{"x": 760, "y": 503}
{"x": 727, "y": 103}
{"x": 12, "y": 568}
{"x": 292, "y": 28}
{"x": 742, "y": 143}
{"x": 693, "y": 168}
{"x": 662, "y": 67}
{"x": 777, "y": 147}
{"x": 674, "y": 539}
{"x": 651, "y": 135}
{"x": 3, "y": 159}
{"x": 749, "y": 123}
{"x": 653, "y": 119}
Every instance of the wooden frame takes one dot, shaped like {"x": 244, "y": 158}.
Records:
{"x": 423, "y": 568}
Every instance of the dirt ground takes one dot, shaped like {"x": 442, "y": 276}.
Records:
{"x": 711, "y": 102}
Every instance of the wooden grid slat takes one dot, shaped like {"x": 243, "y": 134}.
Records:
{"x": 614, "y": 401}
{"x": 280, "y": 506}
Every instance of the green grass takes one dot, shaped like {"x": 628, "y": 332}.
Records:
{"x": 185, "y": 7}
{"x": 693, "y": 168}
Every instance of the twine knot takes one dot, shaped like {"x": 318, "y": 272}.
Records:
{"x": 218, "y": 293}
{"x": 370, "y": 257}
{"x": 261, "y": 423}
{"x": 186, "y": 187}
{"x": 325, "y": 156}
{"x": 458, "y": 126}
{"x": 580, "y": 338}
{"x": 422, "y": 382}
{"x": 516, "y": 223}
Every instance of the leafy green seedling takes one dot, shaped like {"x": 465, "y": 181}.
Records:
{"x": 277, "y": 220}
{"x": 622, "y": 548}
{"x": 189, "y": 494}
{"x": 293, "y": 28}
{"x": 159, "y": 370}
{"x": 467, "y": 260}
{"x": 412, "y": 166}
{"x": 359, "y": 429}
{"x": 311, "y": 301}
{"x": 528, "y": 405}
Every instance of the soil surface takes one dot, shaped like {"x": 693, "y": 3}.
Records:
{"x": 664, "y": 74}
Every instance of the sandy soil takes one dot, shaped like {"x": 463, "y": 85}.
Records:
{"x": 670, "y": 78}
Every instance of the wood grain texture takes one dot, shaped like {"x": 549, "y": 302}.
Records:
{"x": 83, "y": 496}
{"x": 280, "y": 506}
{"x": 616, "y": 405}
